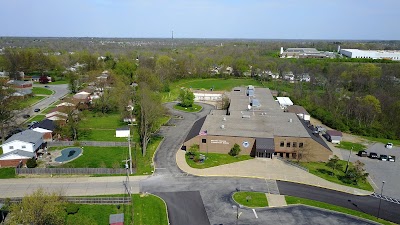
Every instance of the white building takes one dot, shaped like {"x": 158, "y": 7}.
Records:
{"x": 207, "y": 96}
{"x": 371, "y": 54}
{"x": 122, "y": 132}
{"x": 27, "y": 140}
{"x": 284, "y": 102}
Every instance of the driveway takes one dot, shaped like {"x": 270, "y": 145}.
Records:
{"x": 381, "y": 170}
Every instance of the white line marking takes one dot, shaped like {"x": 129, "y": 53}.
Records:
{"x": 255, "y": 214}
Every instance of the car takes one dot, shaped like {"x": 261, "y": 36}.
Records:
{"x": 320, "y": 128}
{"x": 36, "y": 110}
{"x": 26, "y": 116}
{"x": 362, "y": 153}
{"x": 373, "y": 155}
{"x": 46, "y": 86}
{"x": 389, "y": 145}
{"x": 391, "y": 158}
{"x": 383, "y": 158}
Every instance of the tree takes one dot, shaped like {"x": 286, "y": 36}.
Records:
{"x": 194, "y": 149}
{"x": 151, "y": 110}
{"x": 8, "y": 108}
{"x": 31, "y": 163}
{"x": 73, "y": 82}
{"x": 186, "y": 97}
{"x": 356, "y": 173}
{"x": 71, "y": 128}
{"x": 43, "y": 79}
{"x": 39, "y": 208}
{"x": 235, "y": 150}
{"x": 334, "y": 164}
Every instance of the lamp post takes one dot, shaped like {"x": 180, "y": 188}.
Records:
{"x": 380, "y": 199}
{"x": 348, "y": 160}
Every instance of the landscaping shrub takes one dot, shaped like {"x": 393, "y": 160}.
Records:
{"x": 71, "y": 208}
{"x": 234, "y": 150}
{"x": 31, "y": 163}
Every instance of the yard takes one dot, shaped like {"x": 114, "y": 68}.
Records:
{"x": 41, "y": 91}
{"x": 37, "y": 118}
{"x": 290, "y": 200}
{"x": 216, "y": 159}
{"x": 99, "y": 135}
{"x": 99, "y": 121}
{"x": 321, "y": 170}
{"x": 29, "y": 101}
{"x": 351, "y": 146}
{"x": 251, "y": 199}
{"x": 149, "y": 210}
{"x": 6, "y": 173}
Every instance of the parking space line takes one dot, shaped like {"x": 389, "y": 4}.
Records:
{"x": 255, "y": 214}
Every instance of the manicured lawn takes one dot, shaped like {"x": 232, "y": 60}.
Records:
{"x": 219, "y": 84}
{"x": 99, "y": 135}
{"x": 349, "y": 145}
{"x": 194, "y": 108}
{"x": 41, "y": 91}
{"x": 37, "y": 118}
{"x": 251, "y": 199}
{"x": 216, "y": 159}
{"x": 100, "y": 121}
{"x": 6, "y": 173}
{"x": 98, "y": 214}
{"x": 295, "y": 200}
{"x": 383, "y": 140}
{"x": 58, "y": 82}
{"x": 321, "y": 170}
{"x": 149, "y": 210}
{"x": 30, "y": 101}
{"x": 97, "y": 157}
{"x": 144, "y": 163}
{"x": 164, "y": 120}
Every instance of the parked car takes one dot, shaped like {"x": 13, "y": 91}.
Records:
{"x": 389, "y": 145}
{"x": 391, "y": 158}
{"x": 26, "y": 116}
{"x": 373, "y": 155}
{"x": 320, "y": 128}
{"x": 383, "y": 157}
{"x": 36, "y": 110}
{"x": 362, "y": 153}
{"x": 46, "y": 86}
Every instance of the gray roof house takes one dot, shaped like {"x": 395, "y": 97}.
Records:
{"x": 334, "y": 136}
{"x": 27, "y": 140}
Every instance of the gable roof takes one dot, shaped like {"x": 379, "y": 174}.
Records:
{"x": 334, "y": 133}
{"x": 45, "y": 124}
{"x": 18, "y": 152}
{"x": 28, "y": 136}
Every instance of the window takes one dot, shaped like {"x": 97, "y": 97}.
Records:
{"x": 294, "y": 144}
{"x": 11, "y": 147}
{"x": 288, "y": 144}
{"x": 282, "y": 144}
{"x": 203, "y": 140}
{"x": 23, "y": 146}
{"x": 301, "y": 144}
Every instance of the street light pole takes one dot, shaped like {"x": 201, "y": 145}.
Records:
{"x": 130, "y": 153}
{"x": 380, "y": 199}
{"x": 348, "y": 160}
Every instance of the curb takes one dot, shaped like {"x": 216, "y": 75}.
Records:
{"x": 265, "y": 207}
{"x": 166, "y": 207}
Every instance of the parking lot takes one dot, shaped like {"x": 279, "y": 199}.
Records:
{"x": 381, "y": 170}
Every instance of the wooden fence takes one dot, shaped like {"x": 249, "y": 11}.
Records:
{"x": 88, "y": 143}
{"x": 56, "y": 171}
{"x": 81, "y": 200}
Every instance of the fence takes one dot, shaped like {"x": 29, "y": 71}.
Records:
{"x": 386, "y": 198}
{"x": 287, "y": 161}
{"x": 56, "y": 171}
{"x": 88, "y": 143}
{"x": 81, "y": 200}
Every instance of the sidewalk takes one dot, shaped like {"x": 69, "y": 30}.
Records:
{"x": 273, "y": 169}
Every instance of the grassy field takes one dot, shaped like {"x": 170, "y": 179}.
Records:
{"x": 98, "y": 214}
{"x": 321, "y": 170}
{"x": 349, "y": 145}
{"x": 215, "y": 159}
{"x": 59, "y": 82}
{"x": 37, "y": 118}
{"x": 97, "y": 157}
{"x": 100, "y": 121}
{"x": 194, "y": 108}
{"x": 6, "y": 173}
{"x": 149, "y": 210}
{"x": 295, "y": 200}
{"x": 144, "y": 163}
{"x": 30, "y": 101}
{"x": 251, "y": 199}
{"x": 219, "y": 84}
{"x": 99, "y": 135}
{"x": 383, "y": 140}
{"x": 41, "y": 91}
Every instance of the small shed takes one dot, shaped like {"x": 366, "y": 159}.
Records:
{"x": 300, "y": 112}
{"x": 122, "y": 132}
{"x": 334, "y": 136}
{"x": 116, "y": 219}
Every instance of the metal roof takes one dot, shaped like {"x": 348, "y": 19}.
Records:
{"x": 265, "y": 144}
{"x": 19, "y": 152}
{"x": 28, "y": 136}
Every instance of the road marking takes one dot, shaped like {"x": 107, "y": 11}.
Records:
{"x": 255, "y": 214}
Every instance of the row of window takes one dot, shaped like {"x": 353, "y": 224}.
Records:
{"x": 12, "y": 147}
{"x": 292, "y": 144}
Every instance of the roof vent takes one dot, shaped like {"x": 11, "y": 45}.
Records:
{"x": 222, "y": 126}
{"x": 290, "y": 120}
{"x": 224, "y": 119}
{"x": 246, "y": 116}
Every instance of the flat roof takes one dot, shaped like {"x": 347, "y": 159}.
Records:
{"x": 264, "y": 121}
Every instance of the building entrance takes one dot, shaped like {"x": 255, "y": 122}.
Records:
{"x": 264, "y": 155}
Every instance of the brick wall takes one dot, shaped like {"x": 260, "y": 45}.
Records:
{"x": 12, "y": 162}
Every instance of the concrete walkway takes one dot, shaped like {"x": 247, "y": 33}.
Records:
{"x": 276, "y": 200}
{"x": 273, "y": 169}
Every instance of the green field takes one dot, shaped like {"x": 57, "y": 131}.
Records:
{"x": 295, "y": 200}
{"x": 6, "y": 173}
{"x": 194, "y": 108}
{"x": 216, "y": 159}
{"x": 98, "y": 214}
{"x": 251, "y": 199}
{"x": 219, "y": 84}
{"x": 29, "y": 101}
{"x": 144, "y": 163}
{"x": 99, "y": 135}
{"x": 321, "y": 170}
{"x": 37, "y": 118}
{"x": 149, "y": 210}
{"x": 350, "y": 145}
{"x": 382, "y": 140}
{"x": 41, "y": 91}
{"x": 100, "y": 121}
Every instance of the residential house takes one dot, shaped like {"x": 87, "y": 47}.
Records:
{"x": 46, "y": 127}
{"x": 20, "y": 84}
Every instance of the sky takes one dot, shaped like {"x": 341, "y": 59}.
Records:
{"x": 252, "y": 19}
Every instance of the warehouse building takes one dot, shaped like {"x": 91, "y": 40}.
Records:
{"x": 260, "y": 126}
{"x": 371, "y": 54}
{"x": 305, "y": 53}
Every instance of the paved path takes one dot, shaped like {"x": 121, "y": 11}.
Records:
{"x": 273, "y": 169}
{"x": 276, "y": 200}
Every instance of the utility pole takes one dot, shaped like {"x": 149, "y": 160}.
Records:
{"x": 348, "y": 160}
{"x": 130, "y": 152}
{"x": 380, "y": 199}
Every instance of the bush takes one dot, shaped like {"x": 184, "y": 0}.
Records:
{"x": 234, "y": 150}
{"x": 72, "y": 208}
{"x": 31, "y": 163}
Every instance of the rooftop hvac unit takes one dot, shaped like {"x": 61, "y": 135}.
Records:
{"x": 290, "y": 120}
{"x": 222, "y": 126}
{"x": 246, "y": 116}
{"x": 224, "y": 119}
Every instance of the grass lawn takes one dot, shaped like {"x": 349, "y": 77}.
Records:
{"x": 383, "y": 140}
{"x": 144, "y": 163}
{"x": 100, "y": 121}
{"x": 97, "y": 157}
{"x": 30, "y": 101}
{"x": 348, "y": 145}
{"x": 58, "y": 82}
{"x": 149, "y": 210}
{"x": 216, "y": 159}
{"x": 194, "y": 108}
{"x": 98, "y": 214}
{"x": 37, "y": 118}
{"x": 99, "y": 135}
{"x": 41, "y": 91}
{"x": 321, "y": 170}
{"x": 295, "y": 200}
{"x": 6, "y": 173}
{"x": 251, "y": 199}
{"x": 219, "y": 84}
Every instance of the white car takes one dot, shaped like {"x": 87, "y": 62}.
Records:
{"x": 391, "y": 158}
{"x": 389, "y": 145}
